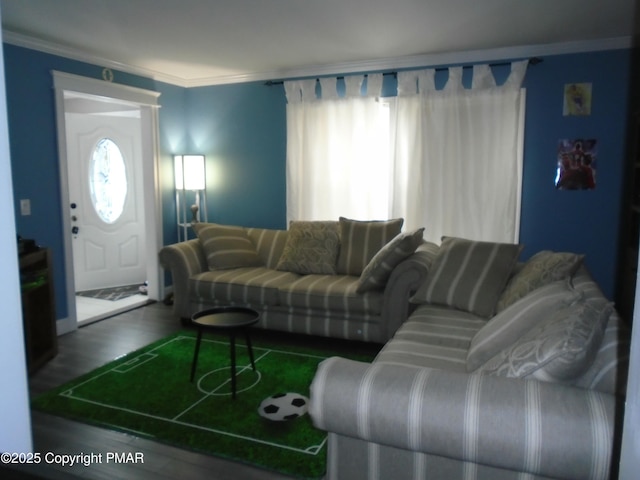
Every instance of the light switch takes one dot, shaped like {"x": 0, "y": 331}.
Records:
{"x": 25, "y": 206}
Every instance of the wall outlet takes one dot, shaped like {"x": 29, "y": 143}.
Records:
{"x": 25, "y": 206}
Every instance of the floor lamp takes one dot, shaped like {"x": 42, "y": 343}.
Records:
{"x": 190, "y": 175}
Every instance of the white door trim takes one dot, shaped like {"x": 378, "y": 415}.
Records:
{"x": 147, "y": 100}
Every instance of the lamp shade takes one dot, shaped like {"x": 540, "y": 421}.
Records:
{"x": 189, "y": 172}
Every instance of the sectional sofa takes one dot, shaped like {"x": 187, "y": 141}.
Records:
{"x": 504, "y": 370}
{"x": 345, "y": 278}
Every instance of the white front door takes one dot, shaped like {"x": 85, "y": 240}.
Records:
{"x": 104, "y": 160}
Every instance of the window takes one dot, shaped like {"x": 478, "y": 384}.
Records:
{"x": 108, "y": 180}
{"x": 448, "y": 159}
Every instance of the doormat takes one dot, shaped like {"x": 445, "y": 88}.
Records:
{"x": 148, "y": 393}
{"x": 113, "y": 293}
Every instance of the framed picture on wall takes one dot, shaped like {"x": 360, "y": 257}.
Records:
{"x": 577, "y": 164}
{"x": 577, "y": 99}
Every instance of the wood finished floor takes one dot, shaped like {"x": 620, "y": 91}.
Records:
{"x": 94, "y": 345}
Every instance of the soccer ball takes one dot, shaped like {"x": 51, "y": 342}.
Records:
{"x": 283, "y": 406}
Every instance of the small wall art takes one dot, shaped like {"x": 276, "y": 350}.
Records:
{"x": 577, "y": 99}
{"x": 577, "y": 164}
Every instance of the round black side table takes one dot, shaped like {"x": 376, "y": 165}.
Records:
{"x": 233, "y": 320}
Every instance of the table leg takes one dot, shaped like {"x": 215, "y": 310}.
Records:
{"x": 232, "y": 346}
{"x": 248, "y": 340}
{"x": 194, "y": 363}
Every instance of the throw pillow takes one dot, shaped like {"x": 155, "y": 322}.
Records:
{"x": 377, "y": 272}
{"x": 226, "y": 246}
{"x": 544, "y": 267}
{"x": 561, "y": 348}
{"x": 469, "y": 275}
{"x": 311, "y": 247}
{"x": 514, "y": 321}
{"x": 361, "y": 240}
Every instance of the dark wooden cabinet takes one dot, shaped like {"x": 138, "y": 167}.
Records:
{"x": 38, "y": 309}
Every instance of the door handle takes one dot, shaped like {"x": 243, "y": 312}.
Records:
{"x": 75, "y": 230}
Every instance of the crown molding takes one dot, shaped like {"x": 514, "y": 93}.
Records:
{"x": 422, "y": 61}
{"x": 385, "y": 64}
{"x": 20, "y": 40}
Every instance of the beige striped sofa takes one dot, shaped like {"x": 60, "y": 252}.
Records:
{"x": 438, "y": 402}
{"x": 317, "y": 304}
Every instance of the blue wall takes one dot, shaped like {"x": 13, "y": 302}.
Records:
{"x": 242, "y": 130}
{"x": 585, "y": 221}
{"x": 34, "y": 150}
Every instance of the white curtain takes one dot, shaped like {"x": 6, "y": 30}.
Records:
{"x": 337, "y": 150}
{"x": 457, "y": 154}
{"x": 449, "y": 160}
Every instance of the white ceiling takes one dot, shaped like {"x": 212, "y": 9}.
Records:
{"x": 204, "y": 42}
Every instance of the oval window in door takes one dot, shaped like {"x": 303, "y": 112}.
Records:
{"x": 108, "y": 180}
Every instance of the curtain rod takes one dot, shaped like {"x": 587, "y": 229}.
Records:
{"x": 532, "y": 61}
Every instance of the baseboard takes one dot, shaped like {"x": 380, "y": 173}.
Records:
{"x": 65, "y": 325}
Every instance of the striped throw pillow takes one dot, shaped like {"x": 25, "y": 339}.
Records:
{"x": 469, "y": 275}
{"x": 361, "y": 240}
{"x": 226, "y": 246}
{"x": 377, "y": 272}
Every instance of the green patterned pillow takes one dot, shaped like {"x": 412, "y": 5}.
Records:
{"x": 361, "y": 240}
{"x": 543, "y": 268}
{"x": 312, "y": 247}
{"x": 561, "y": 348}
{"x": 226, "y": 246}
{"x": 469, "y": 275}
{"x": 377, "y": 272}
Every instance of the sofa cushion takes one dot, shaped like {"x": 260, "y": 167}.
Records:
{"x": 269, "y": 244}
{"x": 439, "y": 325}
{"x": 414, "y": 354}
{"x": 514, "y": 321}
{"x": 361, "y": 240}
{"x": 377, "y": 272}
{"x": 543, "y": 268}
{"x": 434, "y": 336}
{"x": 311, "y": 247}
{"x": 559, "y": 349}
{"x": 469, "y": 275}
{"x": 608, "y": 372}
{"x": 259, "y": 286}
{"x": 331, "y": 292}
{"x": 226, "y": 246}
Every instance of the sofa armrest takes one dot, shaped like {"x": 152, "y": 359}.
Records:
{"x": 184, "y": 260}
{"x": 537, "y": 427}
{"x": 403, "y": 282}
